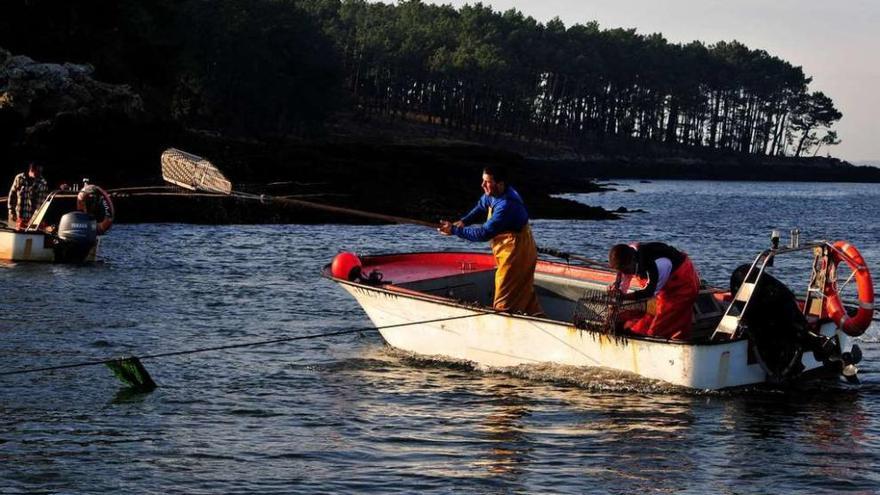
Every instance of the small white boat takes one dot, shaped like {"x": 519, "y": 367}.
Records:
{"x": 33, "y": 245}
{"x": 439, "y": 304}
{"x": 58, "y": 232}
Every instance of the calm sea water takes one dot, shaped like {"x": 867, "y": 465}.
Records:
{"x": 347, "y": 414}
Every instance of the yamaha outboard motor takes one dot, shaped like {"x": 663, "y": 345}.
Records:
{"x": 77, "y": 236}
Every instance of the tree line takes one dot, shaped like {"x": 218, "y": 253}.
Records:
{"x": 281, "y": 67}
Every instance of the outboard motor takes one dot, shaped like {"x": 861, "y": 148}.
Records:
{"x": 777, "y": 330}
{"x": 779, "y": 334}
{"x": 77, "y": 236}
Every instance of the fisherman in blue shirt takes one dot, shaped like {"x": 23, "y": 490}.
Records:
{"x": 507, "y": 230}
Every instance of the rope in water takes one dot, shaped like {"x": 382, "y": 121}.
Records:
{"x": 243, "y": 344}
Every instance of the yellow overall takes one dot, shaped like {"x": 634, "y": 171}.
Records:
{"x": 515, "y": 258}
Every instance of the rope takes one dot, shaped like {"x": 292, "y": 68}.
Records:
{"x": 241, "y": 345}
{"x": 568, "y": 256}
{"x": 140, "y": 188}
{"x": 336, "y": 209}
{"x": 395, "y": 219}
{"x": 183, "y": 169}
{"x": 175, "y": 194}
{"x": 400, "y": 220}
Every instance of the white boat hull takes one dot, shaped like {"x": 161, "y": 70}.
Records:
{"x": 31, "y": 246}
{"x": 502, "y": 340}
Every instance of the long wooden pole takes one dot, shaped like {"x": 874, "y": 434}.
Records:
{"x": 197, "y": 174}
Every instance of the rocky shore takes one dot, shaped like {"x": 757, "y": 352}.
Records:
{"x": 715, "y": 167}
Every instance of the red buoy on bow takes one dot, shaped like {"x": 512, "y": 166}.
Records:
{"x": 346, "y": 265}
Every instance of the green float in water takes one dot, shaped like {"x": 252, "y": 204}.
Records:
{"x": 131, "y": 372}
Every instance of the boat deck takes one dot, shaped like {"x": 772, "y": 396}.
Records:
{"x": 468, "y": 278}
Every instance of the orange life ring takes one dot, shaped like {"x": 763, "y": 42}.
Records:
{"x": 857, "y": 324}
{"x": 96, "y": 202}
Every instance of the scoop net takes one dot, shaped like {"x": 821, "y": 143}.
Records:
{"x": 605, "y": 311}
{"x": 193, "y": 172}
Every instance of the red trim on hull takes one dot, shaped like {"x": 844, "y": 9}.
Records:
{"x": 409, "y": 267}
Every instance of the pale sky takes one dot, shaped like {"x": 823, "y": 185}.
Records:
{"x": 837, "y": 42}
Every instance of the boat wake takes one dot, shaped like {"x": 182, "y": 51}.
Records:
{"x": 607, "y": 380}
{"x": 592, "y": 379}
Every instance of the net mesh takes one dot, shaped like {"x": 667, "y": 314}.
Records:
{"x": 605, "y": 311}
{"x": 193, "y": 172}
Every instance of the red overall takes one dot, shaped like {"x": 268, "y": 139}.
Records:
{"x": 675, "y": 306}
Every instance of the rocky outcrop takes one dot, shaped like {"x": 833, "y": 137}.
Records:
{"x": 40, "y": 94}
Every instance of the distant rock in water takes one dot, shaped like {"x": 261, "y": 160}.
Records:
{"x": 42, "y": 93}
{"x": 624, "y": 209}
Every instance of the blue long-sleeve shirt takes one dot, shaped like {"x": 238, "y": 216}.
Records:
{"x": 508, "y": 215}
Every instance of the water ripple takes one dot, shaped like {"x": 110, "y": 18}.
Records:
{"x": 349, "y": 414}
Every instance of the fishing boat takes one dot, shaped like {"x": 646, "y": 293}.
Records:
{"x": 439, "y": 304}
{"x": 66, "y": 228}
